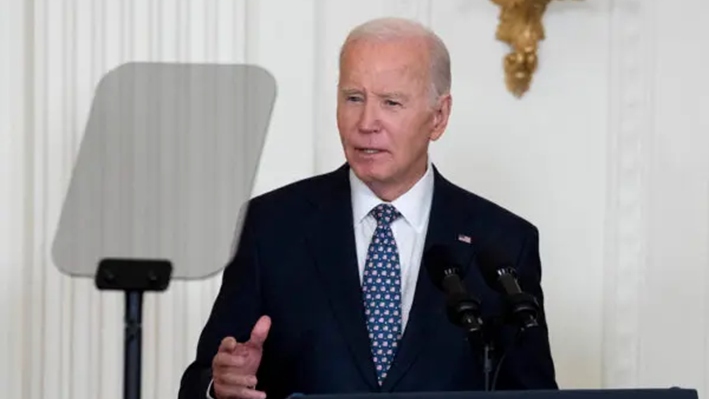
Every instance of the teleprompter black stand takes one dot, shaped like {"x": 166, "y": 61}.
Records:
{"x": 134, "y": 277}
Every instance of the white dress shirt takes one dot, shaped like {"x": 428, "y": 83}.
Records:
{"x": 409, "y": 230}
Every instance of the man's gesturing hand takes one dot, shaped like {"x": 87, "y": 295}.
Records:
{"x": 235, "y": 365}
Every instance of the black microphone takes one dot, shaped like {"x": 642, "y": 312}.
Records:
{"x": 499, "y": 274}
{"x": 463, "y": 308}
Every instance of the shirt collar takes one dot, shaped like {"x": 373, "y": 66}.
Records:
{"x": 413, "y": 205}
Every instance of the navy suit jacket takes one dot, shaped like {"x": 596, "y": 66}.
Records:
{"x": 296, "y": 262}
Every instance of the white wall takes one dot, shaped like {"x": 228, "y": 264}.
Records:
{"x": 608, "y": 154}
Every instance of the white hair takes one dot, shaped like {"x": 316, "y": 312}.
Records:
{"x": 384, "y": 29}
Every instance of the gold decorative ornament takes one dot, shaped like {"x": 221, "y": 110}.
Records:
{"x": 520, "y": 26}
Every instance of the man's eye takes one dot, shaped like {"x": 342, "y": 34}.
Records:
{"x": 354, "y": 98}
{"x": 392, "y": 103}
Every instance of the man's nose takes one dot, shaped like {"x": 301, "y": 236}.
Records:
{"x": 369, "y": 118}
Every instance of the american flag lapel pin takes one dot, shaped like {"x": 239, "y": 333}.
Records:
{"x": 464, "y": 238}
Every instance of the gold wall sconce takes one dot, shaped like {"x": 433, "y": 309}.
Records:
{"x": 521, "y": 27}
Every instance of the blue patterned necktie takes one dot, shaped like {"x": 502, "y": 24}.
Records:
{"x": 381, "y": 287}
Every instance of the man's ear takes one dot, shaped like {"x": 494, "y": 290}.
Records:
{"x": 441, "y": 113}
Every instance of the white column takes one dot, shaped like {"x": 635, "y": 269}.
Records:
{"x": 14, "y": 120}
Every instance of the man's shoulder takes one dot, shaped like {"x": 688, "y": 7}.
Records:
{"x": 302, "y": 189}
{"x": 488, "y": 212}
{"x": 298, "y": 197}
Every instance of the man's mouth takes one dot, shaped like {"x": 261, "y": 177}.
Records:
{"x": 367, "y": 150}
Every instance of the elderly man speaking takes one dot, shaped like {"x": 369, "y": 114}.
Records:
{"x": 328, "y": 291}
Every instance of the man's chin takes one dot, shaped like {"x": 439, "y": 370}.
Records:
{"x": 369, "y": 173}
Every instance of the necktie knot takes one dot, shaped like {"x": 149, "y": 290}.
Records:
{"x": 385, "y": 214}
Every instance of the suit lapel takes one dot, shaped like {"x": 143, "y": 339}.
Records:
{"x": 448, "y": 219}
{"x": 330, "y": 237}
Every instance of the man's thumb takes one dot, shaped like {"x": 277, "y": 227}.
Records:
{"x": 260, "y": 331}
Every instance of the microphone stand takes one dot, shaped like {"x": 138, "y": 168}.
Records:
{"x": 479, "y": 335}
{"x": 487, "y": 365}
{"x": 521, "y": 311}
{"x": 464, "y": 312}
{"x": 486, "y": 342}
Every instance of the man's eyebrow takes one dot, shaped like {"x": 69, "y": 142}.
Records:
{"x": 386, "y": 95}
{"x": 394, "y": 94}
{"x": 348, "y": 90}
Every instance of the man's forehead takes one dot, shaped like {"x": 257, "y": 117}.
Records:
{"x": 413, "y": 47}
{"x": 392, "y": 60}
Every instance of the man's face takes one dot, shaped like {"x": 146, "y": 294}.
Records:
{"x": 385, "y": 112}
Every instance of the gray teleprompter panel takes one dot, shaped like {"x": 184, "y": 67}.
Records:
{"x": 166, "y": 166}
